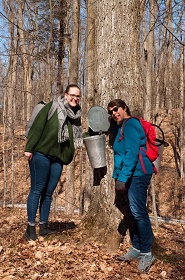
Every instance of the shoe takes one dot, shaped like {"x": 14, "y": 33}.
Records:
{"x": 45, "y": 230}
{"x": 130, "y": 255}
{"x": 145, "y": 262}
{"x": 30, "y": 233}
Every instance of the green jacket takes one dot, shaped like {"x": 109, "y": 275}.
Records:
{"x": 43, "y": 137}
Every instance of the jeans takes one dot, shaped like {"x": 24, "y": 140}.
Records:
{"x": 45, "y": 172}
{"x": 137, "y": 196}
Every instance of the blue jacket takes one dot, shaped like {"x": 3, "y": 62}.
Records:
{"x": 127, "y": 149}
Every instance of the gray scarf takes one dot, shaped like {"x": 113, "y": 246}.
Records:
{"x": 64, "y": 110}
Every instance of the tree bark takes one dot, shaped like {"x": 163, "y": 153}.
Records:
{"x": 182, "y": 112}
{"x": 73, "y": 58}
{"x": 26, "y": 50}
{"x": 90, "y": 92}
{"x": 117, "y": 76}
{"x": 73, "y": 78}
{"x": 149, "y": 59}
{"x": 61, "y": 48}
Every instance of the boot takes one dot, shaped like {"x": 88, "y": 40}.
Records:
{"x": 45, "y": 230}
{"x": 30, "y": 233}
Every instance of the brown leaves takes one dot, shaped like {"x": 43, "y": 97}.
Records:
{"x": 68, "y": 255}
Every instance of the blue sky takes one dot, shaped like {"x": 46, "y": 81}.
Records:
{"x": 3, "y": 34}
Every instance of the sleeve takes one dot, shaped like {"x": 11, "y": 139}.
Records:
{"x": 37, "y": 128}
{"x": 132, "y": 138}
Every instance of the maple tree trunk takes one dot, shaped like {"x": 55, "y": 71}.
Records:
{"x": 116, "y": 49}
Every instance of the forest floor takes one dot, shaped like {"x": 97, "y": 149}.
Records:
{"x": 70, "y": 255}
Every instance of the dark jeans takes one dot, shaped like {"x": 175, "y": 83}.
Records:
{"x": 45, "y": 173}
{"x": 137, "y": 196}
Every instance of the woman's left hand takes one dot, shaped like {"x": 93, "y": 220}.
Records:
{"x": 28, "y": 155}
{"x": 120, "y": 186}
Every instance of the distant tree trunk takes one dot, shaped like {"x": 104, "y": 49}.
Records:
{"x": 73, "y": 78}
{"x": 61, "y": 43}
{"x": 90, "y": 56}
{"x": 161, "y": 57}
{"x": 90, "y": 94}
{"x": 168, "y": 73}
{"x": 74, "y": 47}
{"x": 149, "y": 59}
{"x": 11, "y": 76}
{"x": 149, "y": 64}
{"x": 26, "y": 50}
{"x": 9, "y": 101}
{"x": 182, "y": 112}
{"x": 117, "y": 76}
{"x": 49, "y": 80}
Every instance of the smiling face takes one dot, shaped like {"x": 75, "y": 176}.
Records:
{"x": 118, "y": 113}
{"x": 118, "y": 110}
{"x": 73, "y": 96}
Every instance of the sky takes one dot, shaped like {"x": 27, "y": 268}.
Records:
{"x": 3, "y": 35}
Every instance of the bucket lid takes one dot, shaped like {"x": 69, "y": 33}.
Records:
{"x": 98, "y": 119}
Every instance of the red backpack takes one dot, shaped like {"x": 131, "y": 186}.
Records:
{"x": 152, "y": 143}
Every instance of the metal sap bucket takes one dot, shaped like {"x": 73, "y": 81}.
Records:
{"x": 157, "y": 162}
{"x": 95, "y": 146}
{"x": 161, "y": 145}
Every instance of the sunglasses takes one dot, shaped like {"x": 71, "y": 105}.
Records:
{"x": 115, "y": 109}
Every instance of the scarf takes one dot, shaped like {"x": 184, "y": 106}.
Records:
{"x": 65, "y": 111}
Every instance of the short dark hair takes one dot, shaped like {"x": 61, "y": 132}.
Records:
{"x": 71, "y": 86}
{"x": 119, "y": 103}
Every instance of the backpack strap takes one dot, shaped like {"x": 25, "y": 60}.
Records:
{"x": 121, "y": 129}
{"x": 142, "y": 162}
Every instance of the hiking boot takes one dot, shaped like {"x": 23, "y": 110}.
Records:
{"x": 145, "y": 262}
{"x": 45, "y": 230}
{"x": 130, "y": 255}
{"x": 30, "y": 233}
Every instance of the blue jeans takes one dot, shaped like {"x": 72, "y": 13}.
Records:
{"x": 137, "y": 196}
{"x": 45, "y": 172}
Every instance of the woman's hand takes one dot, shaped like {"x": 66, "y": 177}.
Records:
{"x": 28, "y": 155}
{"x": 120, "y": 186}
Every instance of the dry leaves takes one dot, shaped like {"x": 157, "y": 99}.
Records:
{"x": 67, "y": 255}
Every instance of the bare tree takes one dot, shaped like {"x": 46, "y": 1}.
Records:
{"x": 73, "y": 78}
{"x": 9, "y": 112}
{"x": 10, "y": 9}
{"x": 90, "y": 92}
{"x": 27, "y": 61}
{"x": 149, "y": 57}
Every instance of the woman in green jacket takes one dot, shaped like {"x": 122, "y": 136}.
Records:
{"x": 52, "y": 139}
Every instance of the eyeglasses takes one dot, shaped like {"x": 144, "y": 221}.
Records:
{"x": 115, "y": 109}
{"x": 74, "y": 96}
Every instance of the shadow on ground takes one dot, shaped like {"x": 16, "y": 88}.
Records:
{"x": 62, "y": 226}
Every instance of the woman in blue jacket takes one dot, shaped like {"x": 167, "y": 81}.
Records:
{"x": 127, "y": 137}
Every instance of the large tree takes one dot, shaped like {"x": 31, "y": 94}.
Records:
{"x": 117, "y": 76}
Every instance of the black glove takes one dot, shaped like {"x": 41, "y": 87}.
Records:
{"x": 120, "y": 186}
